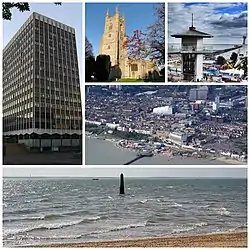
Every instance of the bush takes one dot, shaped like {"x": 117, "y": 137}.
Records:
{"x": 89, "y": 68}
{"x": 102, "y": 67}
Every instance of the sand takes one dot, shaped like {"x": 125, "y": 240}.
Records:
{"x": 212, "y": 240}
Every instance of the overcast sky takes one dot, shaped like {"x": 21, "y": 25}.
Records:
{"x": 227, "y": 21}
{"x": 237, "y": 172}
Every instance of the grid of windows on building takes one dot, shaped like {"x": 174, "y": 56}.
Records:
{"x": 41, "y": 86}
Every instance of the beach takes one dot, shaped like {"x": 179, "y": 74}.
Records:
{"x": 76, "y": 211}
{"x": 211, "y": 240}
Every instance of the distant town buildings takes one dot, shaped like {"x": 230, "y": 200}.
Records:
{"x": 199, "y": 93}
{"x": 216, "y": 125}
{"x": 166, "y": 110}
{"x": 178, "y": 138}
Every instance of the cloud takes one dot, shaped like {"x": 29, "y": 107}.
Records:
{"x": 227, "y": 22}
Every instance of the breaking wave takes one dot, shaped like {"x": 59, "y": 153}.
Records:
{"x": 55, "y": 225}
{"x": 189, "y": 227}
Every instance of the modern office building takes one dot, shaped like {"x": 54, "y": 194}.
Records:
{"x": 193, "y": 94}
{"x": 166, "y": 110}
{"x": 202, "y": 92}
{"x": 199, "y": 93}
{"x": 178, "y": 138}
{"x": 41, "y": 86}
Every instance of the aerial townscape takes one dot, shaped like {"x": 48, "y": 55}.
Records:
{"x": 217, "y": 56}
{"x": 185, "y": 121}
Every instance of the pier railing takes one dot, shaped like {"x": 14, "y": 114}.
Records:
{"x": 208, "y": 48}
{"x": 189, "y": 49}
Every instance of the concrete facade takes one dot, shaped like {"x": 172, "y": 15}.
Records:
{"x": 41, "y": 85}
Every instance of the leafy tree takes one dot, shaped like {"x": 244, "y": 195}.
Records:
{"x": 149, "y": 44}
{"x": 137, "y": 45}
{"x": 89, "y": 68}
{"x": 88, "y": 48}
{"x": 234, "y": 57}
{"x": 7, "y": 15}
{"x": 245, "y": 66}
{"x": 156, "y": 35}
{"x": 220, "y": 60}
{"x": 102, "y": 67}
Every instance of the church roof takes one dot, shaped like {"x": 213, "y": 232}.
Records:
{"x": 192, "y": 32}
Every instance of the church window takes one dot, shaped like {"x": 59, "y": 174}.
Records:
{"x": 110, "y": 27}
{"x": 108, "y": 47}
{"x": 109, "y": 35}
{"x": 134, "y": 67}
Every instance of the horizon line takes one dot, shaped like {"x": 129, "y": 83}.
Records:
{"x": 115, "y": 177}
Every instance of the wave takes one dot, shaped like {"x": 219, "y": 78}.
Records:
{"x": 78, "y": 236}
{"x": 124, "y": 227}
{"x": 156, "y": 219}
{"x": 76, "y": 212}
{"x": 155, "y": 199}
{"x": 189, "y": 227}
{"x": 175, "y": 205}
{"x": 42, "y": 217}
{"x": 143, "y": 201}
{"x": 241, "y": 228}
{"x": 204, "y": 206}
{"x": 46, "y": 199}
{"x": 221, "y": 211}
{"x": 118, "y": 228}
{"x": 21, "y": 211}
{"x": 59, "y": 206}
{"x": 55, "y": 225}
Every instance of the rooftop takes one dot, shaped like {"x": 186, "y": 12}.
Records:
{"x": 192, "y": 32}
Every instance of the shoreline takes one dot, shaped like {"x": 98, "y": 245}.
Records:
{"x": 218, "y": 158}
{"x": 236, "y": 239}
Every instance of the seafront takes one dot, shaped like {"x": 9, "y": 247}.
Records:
{"x": 238, "y": 239}
{"x": 203, "y": 122}
{"x": 58, "y": 211}
{"x": 104, "y": 147}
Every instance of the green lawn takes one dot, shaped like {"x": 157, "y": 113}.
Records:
{"x": 140, "y": 80}
{"x": 129, "y": 80}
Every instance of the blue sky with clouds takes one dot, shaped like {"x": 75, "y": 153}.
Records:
{"x": 226, "y": 21}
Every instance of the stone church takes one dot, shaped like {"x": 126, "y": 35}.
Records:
{"x": 112, "y": 44}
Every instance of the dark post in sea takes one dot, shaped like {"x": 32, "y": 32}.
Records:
{"x": 122, "y": 184}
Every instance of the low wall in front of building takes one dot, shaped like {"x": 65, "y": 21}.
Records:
{"x": 53, "y": 145}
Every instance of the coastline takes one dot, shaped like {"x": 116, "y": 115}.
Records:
{"x": 222, "y": 159}
{"x": 237, "y": 239}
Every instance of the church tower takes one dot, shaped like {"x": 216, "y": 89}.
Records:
{"x": 113, "y": 38}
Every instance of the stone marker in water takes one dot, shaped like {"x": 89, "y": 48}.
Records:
{"x": 122, "y": 184}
